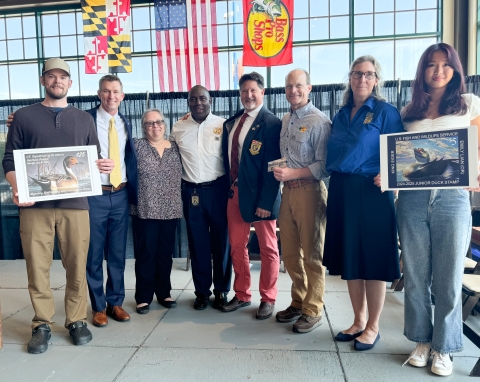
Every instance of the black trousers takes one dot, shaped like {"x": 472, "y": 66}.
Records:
{"x": 208, "y": 236}
{"x": 154, "y": 242}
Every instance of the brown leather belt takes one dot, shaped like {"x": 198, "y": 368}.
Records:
{"x": 113, "y": 189}
{"x": 299, "y": 182}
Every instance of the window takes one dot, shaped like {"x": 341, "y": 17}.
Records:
{"x": 328, "y": 35}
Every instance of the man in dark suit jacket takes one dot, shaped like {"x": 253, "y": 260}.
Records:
{"x": 109, "y": 211}
{"x": 251, "y": 140}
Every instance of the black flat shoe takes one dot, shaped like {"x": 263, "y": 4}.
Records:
{"x": 220, "y": 300}
{"x": 167, "y": 303}
{"x": 143, "y": 309}
{"x": 344, "y": 337}
{"x": 360, "y": 346}
{"x": 200, "y": 303}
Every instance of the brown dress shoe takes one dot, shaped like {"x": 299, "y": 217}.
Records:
{"x": 99, "y": 318}
{"x": 118, "y": 313}
{"x": 234, "y": 304}
{"x": 265, "y": 310}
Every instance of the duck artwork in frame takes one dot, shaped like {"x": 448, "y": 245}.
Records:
{"x": 428, "y": 160}
{"x": 57, "y": 173}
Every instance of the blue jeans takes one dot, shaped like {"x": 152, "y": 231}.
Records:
{"x": 435, "y": 230}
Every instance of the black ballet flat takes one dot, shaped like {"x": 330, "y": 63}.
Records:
{"x": 143, "y": 309}
{"x": 168, "y": 304}
{"x": 360, "y": 346}
{"x": 343, "y": 337}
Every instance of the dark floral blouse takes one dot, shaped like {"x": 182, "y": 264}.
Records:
{"x": 159, "y": 182}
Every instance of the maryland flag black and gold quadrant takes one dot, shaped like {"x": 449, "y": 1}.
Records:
{"x": 106, "y": 34}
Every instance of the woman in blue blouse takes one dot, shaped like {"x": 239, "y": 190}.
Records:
{"x": 361, "y": 233}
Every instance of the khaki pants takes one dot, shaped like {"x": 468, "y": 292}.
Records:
{"x": 302, "y": 223}
{"x": 37, "y": 232}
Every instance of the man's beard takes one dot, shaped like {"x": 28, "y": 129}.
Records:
{"x": 53, "y": 95}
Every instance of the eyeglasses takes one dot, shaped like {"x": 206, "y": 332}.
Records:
{"x": 368, "y": 75}
{"x": 151, "y": 123}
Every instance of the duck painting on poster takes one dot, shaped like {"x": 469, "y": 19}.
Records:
{"x": 56, "y": 173}
{"x": 428, "y": 160}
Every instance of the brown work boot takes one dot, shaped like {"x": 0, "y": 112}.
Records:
{"x": 99, "y": 319}
{"x": 306, "y": 323}
{"x": 117, "y": 313}
{"x": 288, "y": 315}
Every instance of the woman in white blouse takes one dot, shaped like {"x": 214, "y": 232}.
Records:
{"x": 435, "y": 225}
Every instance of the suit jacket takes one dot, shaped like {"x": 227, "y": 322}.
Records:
{"x": 257, "y": 187}
{"x": 130, "y": 158}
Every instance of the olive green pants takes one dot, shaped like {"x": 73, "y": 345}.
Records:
{"x": 38, "y": 227}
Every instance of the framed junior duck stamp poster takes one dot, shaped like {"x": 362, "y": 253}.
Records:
{"x": 428, "y": 160}
{"x": 56, "y": 173}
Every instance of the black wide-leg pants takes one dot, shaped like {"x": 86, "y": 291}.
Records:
{"x": 154, "y": 242}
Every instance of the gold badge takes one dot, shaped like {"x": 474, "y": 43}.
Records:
{"x": 217, "y": 130}
{"x": 302, "y": 129}
{"x": 195, "y": 200}
{"x": 368, "y": 118}
{"x": 255, "y": 147}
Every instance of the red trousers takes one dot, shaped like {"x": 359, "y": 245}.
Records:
{"x": 239, "y": 233}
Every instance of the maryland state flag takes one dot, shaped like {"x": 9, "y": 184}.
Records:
{"x": 268, "y": 33}
{"x": 106, "y": 32}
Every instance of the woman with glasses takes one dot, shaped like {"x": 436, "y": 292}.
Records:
{"x": 435, "y": 225}
{"x": 361, "y": 234}
{"x": 155, "y": 218}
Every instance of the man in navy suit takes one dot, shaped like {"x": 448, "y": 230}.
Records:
{"x": 109, "y": 211}
{"x": 251, "y": 140}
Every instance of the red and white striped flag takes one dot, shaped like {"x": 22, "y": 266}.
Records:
{"x": 187, "y": 45}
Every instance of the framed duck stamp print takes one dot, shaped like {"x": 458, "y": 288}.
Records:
{"x": 57, "y": 173}
{"x": 431, "y": 159}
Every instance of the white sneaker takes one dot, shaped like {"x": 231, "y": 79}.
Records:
{"x": 419, "y": 357}
{"x": 442, "y": 363}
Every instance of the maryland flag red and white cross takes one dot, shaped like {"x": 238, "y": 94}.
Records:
{"x": 106, "y": 33}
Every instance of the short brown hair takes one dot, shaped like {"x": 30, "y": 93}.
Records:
{"x": 110, "y": 78}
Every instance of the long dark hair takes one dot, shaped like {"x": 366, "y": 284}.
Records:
{"x": 452, "y": 101}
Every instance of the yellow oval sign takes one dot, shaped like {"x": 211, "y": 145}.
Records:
{"x": 268, "y": 29}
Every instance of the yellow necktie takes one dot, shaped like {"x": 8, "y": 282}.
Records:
{"x": 114, "y": 154}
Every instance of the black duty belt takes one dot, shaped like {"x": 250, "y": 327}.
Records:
{"x": 204, "y": 184}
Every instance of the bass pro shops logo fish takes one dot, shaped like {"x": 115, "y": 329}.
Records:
{"x": 268, "y": 27}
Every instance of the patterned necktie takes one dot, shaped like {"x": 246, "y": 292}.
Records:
{"x": 114, "y": 154}
{"x": 234, "y": 163}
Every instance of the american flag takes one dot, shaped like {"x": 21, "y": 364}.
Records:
{"x": 187, "y": 45}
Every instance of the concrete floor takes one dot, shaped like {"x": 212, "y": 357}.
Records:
{"x": 182, "y": 344}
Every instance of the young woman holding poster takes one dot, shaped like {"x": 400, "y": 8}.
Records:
{"x": 435, "y": 225}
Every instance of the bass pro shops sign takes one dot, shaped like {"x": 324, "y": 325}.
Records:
{"x": 268, "y": 33}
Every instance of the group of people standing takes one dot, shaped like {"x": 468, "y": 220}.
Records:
{"x": 215, "y": 172}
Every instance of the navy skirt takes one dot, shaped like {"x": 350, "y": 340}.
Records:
{"x": 361, "y": 234}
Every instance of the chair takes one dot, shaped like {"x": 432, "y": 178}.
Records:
{"x": 471, "y": 288}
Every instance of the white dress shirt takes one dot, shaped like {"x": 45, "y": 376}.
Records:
{"x": 200, "y": 147}
{"x": 241, "y": 138}
{"x": 103, "y": 123}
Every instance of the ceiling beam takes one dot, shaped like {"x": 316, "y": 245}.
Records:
{"x": 17, "y": 4}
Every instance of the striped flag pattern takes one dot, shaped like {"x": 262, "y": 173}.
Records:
{"x": 187, "y": 45}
